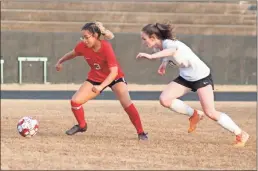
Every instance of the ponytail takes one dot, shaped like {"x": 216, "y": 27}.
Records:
{"x": 106, "y": 33}
{"x": 162, "y": 31}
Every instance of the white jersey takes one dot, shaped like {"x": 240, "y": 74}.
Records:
{"x": 191, "y": 67}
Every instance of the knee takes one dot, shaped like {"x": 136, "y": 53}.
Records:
{"x": 165, "y": 101}
{"x": 124, "y": 98}
{"x": 75, "y": 105}
{"x": 75, "y": 102}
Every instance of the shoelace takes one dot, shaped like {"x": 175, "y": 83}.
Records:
{"x": 144, "y": 133}
{"x": 75, "y": 126}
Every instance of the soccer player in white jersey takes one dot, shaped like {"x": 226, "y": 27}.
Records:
{"x": 194, "y": 75}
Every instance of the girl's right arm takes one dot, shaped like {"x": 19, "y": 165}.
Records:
{"x": 68, "y": 56}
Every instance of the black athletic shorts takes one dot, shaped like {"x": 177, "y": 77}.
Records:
{"x": 110, "y": 85}
{"x": 195, "y": 85}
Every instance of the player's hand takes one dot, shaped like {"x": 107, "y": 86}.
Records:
{"x": 59, "y": 66}
{"x": 97, "y": 89}
{"x": 162, "y": 70}
{"x": 144, "y": 55}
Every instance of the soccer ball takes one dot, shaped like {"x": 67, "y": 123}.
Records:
{"x": 27, "y": 126}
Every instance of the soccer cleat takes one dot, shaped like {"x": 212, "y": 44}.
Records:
{"x": 241, "y": 139}
{"x": 194, "y": 119}
{"x": 75, "y": 129}
{"x": 142, "y": 136}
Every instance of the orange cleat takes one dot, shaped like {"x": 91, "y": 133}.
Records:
{"x": 241, "y": 139}
{"x": 194, "y": 119}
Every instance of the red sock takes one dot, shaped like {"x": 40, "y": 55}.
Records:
{"x": 134, "y": 117}
{"x": 78, "y": 113}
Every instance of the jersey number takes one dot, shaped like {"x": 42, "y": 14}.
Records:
{"x": 97, "y": 66}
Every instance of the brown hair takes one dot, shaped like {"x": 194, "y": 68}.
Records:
{"x": 162, "y": 31}
{"x": 97, "y": 27}
{"x": 92, "y": 28}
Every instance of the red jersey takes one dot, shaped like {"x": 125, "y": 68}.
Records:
{"x": 100, "y": 61}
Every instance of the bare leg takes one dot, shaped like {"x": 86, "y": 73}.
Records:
{"x": 206, "y": 97}
{"x": 168, "y": 99}
{"x": 121, "y": 91}
{"x": 84, "y": 94}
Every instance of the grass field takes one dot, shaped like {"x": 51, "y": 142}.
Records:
{"x": 111, "y": 140}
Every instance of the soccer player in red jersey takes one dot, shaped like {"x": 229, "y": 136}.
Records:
{"x": 105, "y": 72}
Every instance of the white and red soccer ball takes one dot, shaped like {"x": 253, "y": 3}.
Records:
{"x": 27, "y": 126}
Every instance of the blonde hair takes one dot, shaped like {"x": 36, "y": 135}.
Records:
{"x": 107, "y": 34}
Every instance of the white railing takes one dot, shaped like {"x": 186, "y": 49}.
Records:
{"x": 2, "y": 70}
{"x": 33, "y": 59}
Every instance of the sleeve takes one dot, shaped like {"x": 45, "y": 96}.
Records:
{"x": 169, "y": 44}
{"x": 77, "y": 49}
{"x": 110, "y": 56}
{"x": 164, "y": 59}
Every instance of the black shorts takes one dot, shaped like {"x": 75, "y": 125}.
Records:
{"x": 111, "y": 84}
{"x": 195, "y": 85}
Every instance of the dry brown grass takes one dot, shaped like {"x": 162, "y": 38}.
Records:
{"x": 111, "y": 141}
